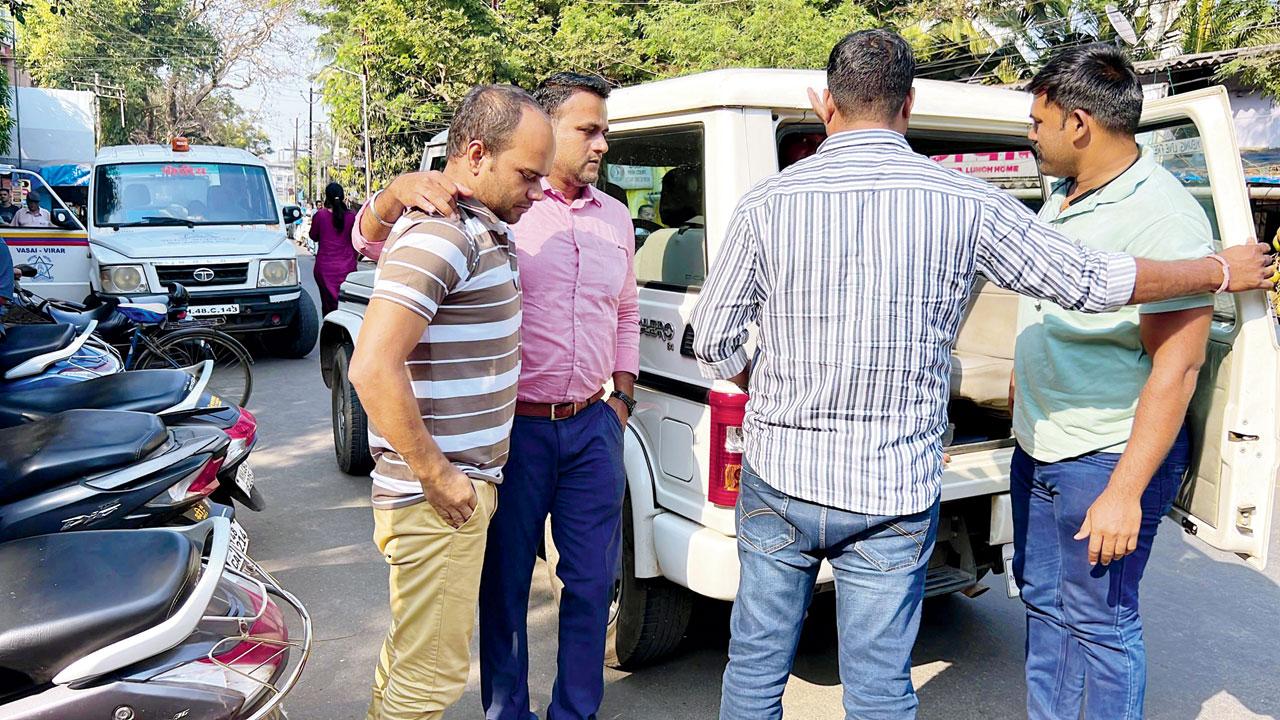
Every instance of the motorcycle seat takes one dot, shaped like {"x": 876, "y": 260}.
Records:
{"x": 23, "y": 342}
{"x": 67, "y": 595}
{"x": 111, "y": 324}
{"x": 71, "y": 445}
{"x": 148, "y": 391}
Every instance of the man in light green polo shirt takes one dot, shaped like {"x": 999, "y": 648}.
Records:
{"x": 1099, "y": 400}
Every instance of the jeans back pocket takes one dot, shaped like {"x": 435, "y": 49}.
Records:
{"x": 898, "y": 542}
{"x": 761, "y": 525}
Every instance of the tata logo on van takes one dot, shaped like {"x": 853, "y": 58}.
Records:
{"x": 202, "y": 274}
{"x": 657, "y": 329}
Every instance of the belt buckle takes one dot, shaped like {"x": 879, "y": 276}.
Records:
{"x": 572, "y": 405}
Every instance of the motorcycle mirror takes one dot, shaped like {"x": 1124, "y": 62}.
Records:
{"x": 25, "y": 271}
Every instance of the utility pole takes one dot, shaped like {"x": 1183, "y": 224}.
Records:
{"x": 364, "y": 102}
{"x": 368, "y": 153}
{"x": 364, "y": 93}
{"x": 295, "y": 159}
{"x": 311, "y": 158}
{"x": 102, "y": 92}
{"x": 17, "y": 105}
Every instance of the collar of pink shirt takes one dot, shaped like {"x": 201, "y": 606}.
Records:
{"x": 589, "y": 194}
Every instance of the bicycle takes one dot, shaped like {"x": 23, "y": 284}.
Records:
{"x": 157, "y": 331}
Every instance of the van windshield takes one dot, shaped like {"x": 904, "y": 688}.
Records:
{"x": 139, "y": 194}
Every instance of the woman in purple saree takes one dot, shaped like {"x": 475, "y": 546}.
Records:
{"x": 335, "y": 257}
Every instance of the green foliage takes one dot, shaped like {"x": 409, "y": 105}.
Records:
{"x": 421, "y": 56}
{"x": 172, "y": 58}
{"x": 1209, "y": 25}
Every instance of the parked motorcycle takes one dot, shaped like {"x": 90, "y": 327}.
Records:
{"x": 179, "y": 397}
{"x": 43, "y": 356}
{"x": 105, "y": 469}
{"x": 153, "y": 331}
{"x": 154, "y": 623}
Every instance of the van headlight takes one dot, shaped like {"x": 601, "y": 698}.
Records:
{"x": 277, "y": 273}
{"x": 122, "y": 279}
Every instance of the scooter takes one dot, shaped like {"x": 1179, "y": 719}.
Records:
{"x": 43, "y": 356}
{"x": 154, "y": 623}
{"x": 105, "y": 469}
{"x": 177, "y": 396}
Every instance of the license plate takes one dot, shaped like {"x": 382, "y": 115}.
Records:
{"x": 206, "y": 310}
{"x": 244, "y": 478}
{"x": 1011, "y": 584}
{"x": 239, "y": 546}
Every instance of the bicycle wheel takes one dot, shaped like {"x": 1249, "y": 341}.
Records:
{"x": 232, "y": 372}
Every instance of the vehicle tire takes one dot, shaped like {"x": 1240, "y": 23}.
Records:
{"x": 648, "y": 616}
{"x": 350, "y": 424}
{"x": 232, "y": 365}
{"x": 298, "y": 339}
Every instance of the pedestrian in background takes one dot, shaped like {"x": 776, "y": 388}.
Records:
{"x": 856, "y": 263}
{"x": 441, "y": 401}
{"x": 32, "y": 215}
{"x": 335, "y": 257}
{"x": 581, "y": 330}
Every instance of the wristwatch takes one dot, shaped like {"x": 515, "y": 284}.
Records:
{"x": 626, "y": 399}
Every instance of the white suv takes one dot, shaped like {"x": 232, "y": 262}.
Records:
{"x": 681, "y": 154}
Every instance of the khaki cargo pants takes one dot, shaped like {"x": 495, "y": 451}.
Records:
{"x": 435, "y": 583}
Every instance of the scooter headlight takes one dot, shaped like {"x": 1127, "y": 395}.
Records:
{"x": 122, "y": 279}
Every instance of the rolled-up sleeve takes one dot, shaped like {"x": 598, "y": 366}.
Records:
{"x": 1017, "y": 251}
{"x": 729, "y": 302}
{"x": 368, "y": 249}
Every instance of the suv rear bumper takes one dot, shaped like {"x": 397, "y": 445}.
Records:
{"x": 260, "y": 309}
{"x": 706, "y": 561}
{"x": 701, "y": 559}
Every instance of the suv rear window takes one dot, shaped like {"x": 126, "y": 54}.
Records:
{"x": 1008, "y": 163}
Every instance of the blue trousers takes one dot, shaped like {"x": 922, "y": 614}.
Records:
{"x": 879, "y": 562}
{"x": 1084, "y": 633}
{"x": 571, "y": 469}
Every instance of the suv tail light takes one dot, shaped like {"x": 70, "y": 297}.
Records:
{"x": 727, "y": 411}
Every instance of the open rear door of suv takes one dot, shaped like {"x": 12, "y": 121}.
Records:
{"x": 1227, "y": 501}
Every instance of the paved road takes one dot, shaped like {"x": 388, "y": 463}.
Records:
{"x": 1213, "y": 624}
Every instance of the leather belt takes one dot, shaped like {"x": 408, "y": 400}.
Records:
{"x": 556, "y": 411}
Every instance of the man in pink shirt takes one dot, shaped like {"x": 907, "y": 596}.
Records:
{"x": 580, "y": 329}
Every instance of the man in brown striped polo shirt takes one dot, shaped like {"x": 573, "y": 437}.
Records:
{"x": 436, "y": 367}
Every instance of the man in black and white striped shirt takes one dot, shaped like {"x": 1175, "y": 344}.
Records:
{"x": 857, "y": 264}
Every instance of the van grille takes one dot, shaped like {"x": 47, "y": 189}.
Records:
{"x": 223, "y": 274}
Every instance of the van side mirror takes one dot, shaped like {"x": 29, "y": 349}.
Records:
{"x": 291, "y": 214}
{"x": 62, "y": 218}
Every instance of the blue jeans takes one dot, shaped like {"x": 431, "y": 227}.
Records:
{"x": 879, "y": 565}
{"x": 572, "y": 470}
{"x": 1084, "y": 634}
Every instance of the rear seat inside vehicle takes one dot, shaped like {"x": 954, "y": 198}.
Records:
{"x": 982, "y": 359}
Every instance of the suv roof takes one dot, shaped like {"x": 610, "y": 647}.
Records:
{"x": 939, "y": 104}
{"x": 785, "y": 90}
{"x": 163, "y": 153}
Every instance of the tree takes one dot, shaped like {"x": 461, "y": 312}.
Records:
{"x": 421, "y": 56}
{"x": 1209, "y": 25}
{"x": 175, "y": 59}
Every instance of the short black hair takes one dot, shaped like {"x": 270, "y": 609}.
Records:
{"x": 555, "y": 90}
{"x": 1097, "y": 78}
{"x": 490, "y": 114}
{"x": 869, "y": 74}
